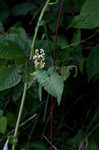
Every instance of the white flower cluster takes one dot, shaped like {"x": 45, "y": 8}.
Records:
{"x": 39, "y": 59}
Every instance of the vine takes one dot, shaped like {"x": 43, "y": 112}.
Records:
{"x": 54, "y": 56}
{"x": 25, "y": 85}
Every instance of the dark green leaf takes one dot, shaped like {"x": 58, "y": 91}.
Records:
{"x": 1, "y": 113}
{"x": 9, "y": 77}
{"x": 4, "y": 15}
{"x": 93, "y": 63}
{"x": 11, "y": 119}
{"x": 10, "y": 50}
{"x": 3, "y": 124}
{"x": 36, "y": 146}
{"x": 76, "y": 37}
{"x": 62, "y": 42}
{"x": 1, "y": 27}
{"x": 88, "y": 17}
{"x": 23, "y": 9}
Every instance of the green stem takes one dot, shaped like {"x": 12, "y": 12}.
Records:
{"x": 25, "y": 85}
{"x": 90, "y": 133}
{"x": 53, "y": 3}
{"x": 37, "y": 27}
{"x": 20, "y": 113}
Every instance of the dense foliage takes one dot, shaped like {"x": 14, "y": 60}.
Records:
{"x": 73, "y": 81}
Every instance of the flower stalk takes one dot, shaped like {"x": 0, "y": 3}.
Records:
{"x": 37, "y": 27}
{"x": 20, "y": 113}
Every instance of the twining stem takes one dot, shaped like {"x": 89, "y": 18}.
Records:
{"x": 37, "y": 27}
{"x": 25, "y": 84}
{"x": 20, "y": 113}
{"x": 53, "y": 63}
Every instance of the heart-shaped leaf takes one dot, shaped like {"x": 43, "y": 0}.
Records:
{"x": 52, "y": 83}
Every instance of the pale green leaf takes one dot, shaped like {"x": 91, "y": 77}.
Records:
{"x": 65, "y": 73}
{"x": 52, "y": 83}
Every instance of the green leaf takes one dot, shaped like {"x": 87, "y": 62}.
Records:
{"x": 20, "y": 33}
{"x": 9, "y": 77}
{"x": 80, "y": 135}
{"x": 1, "y": 27}
{"x": 65, "y": 73}
{"x": 76, "y": 6}
{"x": 3, "y": 125}
{"x": 93, "y": 63}
{"x": 89, "y": 16}
{"x": 20, "y": 37}
{"x": 4, "y": 15}
{"x": 17, "y": 35}
{"x": 93, "y": 145}
{"x": 23, "y": 9}
{"x": 1, "y": 113}
{"x": 11, "y": 119}
{"x": 76, "y": 37}
{"x": 12, "y": 140}
{"x": 10, "y": 50}
{"x": 36, "y": 146}
{"x": 52, "y": 83}
{"x": 62, "y": 42}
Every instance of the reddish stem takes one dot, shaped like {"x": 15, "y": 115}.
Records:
{"x": 56, "y": 34}
{"x": 51, "y": 122}
{"x": 53, "y": 63}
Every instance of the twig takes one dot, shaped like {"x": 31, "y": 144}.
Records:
{"x": 82, "y": 41}
{"x": 54, "y": 147}
{"x": 28, "y": 120}
{"x": 21, "y": 125}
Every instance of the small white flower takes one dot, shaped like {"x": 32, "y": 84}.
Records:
{"x": 34, "y": 57}
{"x": 39, "y": 59}
{"x": 41, "y": 51}
{"x": 36, "y": 51}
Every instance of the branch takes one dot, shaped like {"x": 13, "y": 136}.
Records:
{"x": 49, "y": 142}
{"x": 82, "y": 41}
